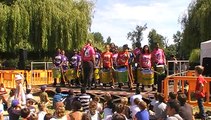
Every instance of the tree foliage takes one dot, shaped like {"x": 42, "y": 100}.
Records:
{"x": 154, "y": 37}
{"x": 196, "y": 25}
{"x": 44, "y": 24}
{"x": 177, "y": 40}
{"x": 98, "y": 37}
{"x": 137, "y": 34}
{"x": 108, "y": 40}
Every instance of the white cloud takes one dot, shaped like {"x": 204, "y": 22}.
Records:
{"x": 118, "y": 17}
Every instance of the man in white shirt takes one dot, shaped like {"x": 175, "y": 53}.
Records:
{"x": 137, "y": 95}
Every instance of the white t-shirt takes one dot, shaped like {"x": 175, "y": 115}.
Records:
{"x": 175, "y": 117}
{"x": 132, "y": 98}
{"x": 29, "y": 96}
{"x": 134, "y": 109}
{"x": 159, "y": 109}
{"x": 41, "y": 115}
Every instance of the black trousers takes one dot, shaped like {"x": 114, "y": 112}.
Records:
{"x": 88, "y": 69}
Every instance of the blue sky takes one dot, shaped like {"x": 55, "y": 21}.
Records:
{"x": 115, "y": 18}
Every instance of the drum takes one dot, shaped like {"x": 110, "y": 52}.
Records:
{"x": 105, "y": 76}
{"x": 160, "y": 69}
{"x": 147, "y": 77}
{"x": 96, "y": 74}
{"x": 56, "y": 72}
{"x": 121, "y": 75}
{"x": 70, "y": 74}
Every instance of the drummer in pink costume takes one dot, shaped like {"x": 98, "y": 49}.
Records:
{"x": 145, "y": 60}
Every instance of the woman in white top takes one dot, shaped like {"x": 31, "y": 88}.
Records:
{"x": 20, "y": 94}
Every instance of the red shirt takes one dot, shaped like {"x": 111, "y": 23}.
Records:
{"x": 122, "y": 59}
{"x": 87, "y": 53}
{"x": 200, "y": 81}
{"x": 137, "y": 53}
{"x": 107, "y": 59}
{"x": 145, "y": 61}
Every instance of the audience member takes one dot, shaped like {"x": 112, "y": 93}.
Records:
{"x": 25, "y": 113}
{"x": 48, "y": 116}
{"x": 11, "y": 97}
{"x": 137, "y": 95}
{"x": 143, "y": 114}
{"x": 84, "y": 98}
{"x": 108, "y": 110}
{"x": 58, "y": 97}
{"x": 43, "y": 95}
{"x": 60, "y": 112}
{"x": 76, "y": 113}
{"x": 124, "y": 102}
{"x": 30, "y": 106}
{"x": 99, "y": 105}
{"x": 134, "y": 108}
{"x": 93, "y": 112}
{"x": 172, "y": 110}
{"x": 28, "y": 94}
{"x": 14, "y": 110}
{"x": 42, "y": 111}
{"x": 172, "y": 96}
{"x": 68, "y": 102}
{"x": 185, "y": 111}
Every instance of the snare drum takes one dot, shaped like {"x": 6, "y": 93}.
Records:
{"x": 105, "y": 76}
{"x": 160, "y": 69}
{"x": 96, "y": 74}
{"x": 56, "y": 72}
{"x": 70, "y": 74}
{"x": 121, "y": 75}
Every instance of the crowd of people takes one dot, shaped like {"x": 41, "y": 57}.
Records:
{"x": 150, "y": 64}
{"x": 21, "y": 104}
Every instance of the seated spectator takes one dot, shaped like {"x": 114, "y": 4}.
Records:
{"x": 76, "y": 113}
{"x": 68, "y": 102}
{"x": 84, "y": 98}
{"x": 43, "y": 95}
{"x": 134, "y": 108}
{"x": 107, "y": 98}
{"x": 118, "y": 117}
{"x": 60, "y": 112}
{"x": 11, "y": 97}
{"x": 42, "y": 111}
{"x": 28, "y": 94}
{"x": 159, "y": 108}
{"x": 99, "y": 106}
{"x": 172, "y": 96}
{"x": 108, "y": 110}
{"x": 120, "y": 110}
{"x": 92, "y": 112}
{"x": 143, "y": 114}
{"x": 85, "y": 116}
{"x": 124, "y": 102}
{"x": 172, "y": 109}
{"x": 137, "y": 95}
{"x": 186, "y": 111}
{"x": 25, "y": 114}
{"x": 30, "y": 106}
{"x": 58, "y": 97}
{"x": 48, "y": 116}
{"x": 15, "y": 110}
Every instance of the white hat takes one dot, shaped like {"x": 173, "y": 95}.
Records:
{"x": 18, "y": 77}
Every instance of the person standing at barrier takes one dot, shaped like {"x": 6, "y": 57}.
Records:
{"x": 137, "y": 53}
{"x": 57, "y": 64}
{"x": 159, "y": 62}
{"x": 19, "y": 93}
{"x": 145, "y": 63}
{"x": 199, "y": 90}
{"x": 64, "y": 67}
{"x": 76, "y": 65}
{"x": 88, "y": 58}
{"x": 107, "y": 62}
{"x": 123, "y": 62}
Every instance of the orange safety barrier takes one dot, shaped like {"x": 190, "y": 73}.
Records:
{"x": 7, "y": 79}
{"x": 191, "y": 81}
{"x": 38, "y": 77}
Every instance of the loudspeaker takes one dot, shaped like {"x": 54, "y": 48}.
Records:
{"x": 206, "y": 63}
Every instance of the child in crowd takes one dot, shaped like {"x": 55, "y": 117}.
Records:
{"x": 68, "y": 102}
{"x": 60, "y": 112}
{"x": 11, "y": 97}
{"x": 172, "y": 96}
{"x": 15, "y": 110}
{"x": 58, "y": 97}
{"x": 134, "y": 108}
{"x": 99, "y": 106}
{"x": 25, "y": 114}
{"x": 93, "y": 112}
{"x": 30, "y": 106}
{"x": 48, "y": 116}
{"x": 76, "y": 113}
{"x": 43, "y": 95}
{"x": 143, "y": 114}
{"x": 199, "y": 90}
{"x": 42, "y": 111}
{"x": 108, "y": 110}
{"x": 126, "y": 111}
{"x": 28, "y": 94}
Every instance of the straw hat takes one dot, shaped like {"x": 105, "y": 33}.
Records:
{"x": 19, "y": 77}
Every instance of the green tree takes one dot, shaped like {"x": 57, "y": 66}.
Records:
{"x": 196, "y": 25}
{"x": 108, "y": 40}
{"x": 154, "y": 37}
{"x": 177, "y": 40}
{"x": 98, "y": 37}
{"x": 137, "y": 34}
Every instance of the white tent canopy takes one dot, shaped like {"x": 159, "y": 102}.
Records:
{"x": 205, "y": 50}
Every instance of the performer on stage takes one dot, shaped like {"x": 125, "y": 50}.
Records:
{"x": 88, "y": 60}
{"x": 122, "y": 61}
{"x": 145, "y": 60}
{"x": 107, "y": 62}
{"x": 137, "y": 53}
{"x": 76, "y": 64}
{"x": 64, "y": 67}
{"x": 57, "y": 63}
{"x": 159, "y": 63}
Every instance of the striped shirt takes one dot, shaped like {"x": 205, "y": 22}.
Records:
{"x": 85, "y": 99}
